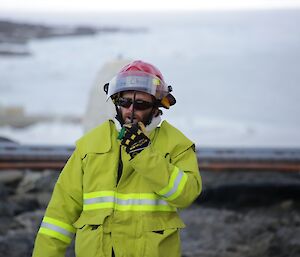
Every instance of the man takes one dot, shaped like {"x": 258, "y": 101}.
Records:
{"x": 120, "y": 190}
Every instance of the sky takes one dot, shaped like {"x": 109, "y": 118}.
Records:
{"x": 142, "y": 5}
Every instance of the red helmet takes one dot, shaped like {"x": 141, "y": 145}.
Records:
{"x": 143, "y": 66}
{"x": 143, "y": 77}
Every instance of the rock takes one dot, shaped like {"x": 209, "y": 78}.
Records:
{"x": 4, "y": 191}
{"x": 47, "y": 182}
{"x": 5, "y": 209}
{"x": 11, "y": 177}
{"x": 30, "y": 221}
{"x": 29, "y": 181}
{"x": 38, "y": 182}
{"x": 17, "y": 244}
{"x": 268, "y": 232}
{"x": 43, "y": 199}
{"x": 286, "y": 242}
{"x": 23, "y": 203}
{"x": 6, "y": 224}
{"x": 287, "y": 205}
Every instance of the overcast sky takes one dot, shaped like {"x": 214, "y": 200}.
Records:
{"x": 134, "y": 5}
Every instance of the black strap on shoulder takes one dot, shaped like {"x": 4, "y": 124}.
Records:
{"x": 120, "y": 166}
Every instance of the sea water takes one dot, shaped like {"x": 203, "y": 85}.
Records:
{"x": 235, "y": 74}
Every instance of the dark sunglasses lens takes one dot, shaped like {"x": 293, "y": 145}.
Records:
{"x": 142, "y": 105}
{"x": 124, "y": 102}
{"x": 138, "y": 104}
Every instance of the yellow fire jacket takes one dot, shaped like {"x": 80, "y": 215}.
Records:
{"x": 137, "y": 214}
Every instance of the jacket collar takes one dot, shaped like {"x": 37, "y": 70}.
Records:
{"x": 98, "y": 140}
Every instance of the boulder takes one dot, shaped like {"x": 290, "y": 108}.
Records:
{"x": 38, "y": 182}
{"x": 11, "y": 177}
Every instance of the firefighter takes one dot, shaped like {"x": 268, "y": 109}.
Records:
{"x": 121, "y": 189}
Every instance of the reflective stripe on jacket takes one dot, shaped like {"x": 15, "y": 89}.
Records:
{"x": 136, "y": 216}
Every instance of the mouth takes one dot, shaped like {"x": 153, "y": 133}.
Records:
{"x": 128, "y": 120}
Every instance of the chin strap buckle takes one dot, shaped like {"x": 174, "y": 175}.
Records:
{"x": 105, "y": 88}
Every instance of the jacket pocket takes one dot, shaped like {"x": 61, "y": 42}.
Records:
{"x": 89, "y": 235}
{"x": 161, "y": 236}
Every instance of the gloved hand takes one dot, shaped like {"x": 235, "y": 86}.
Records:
{"x": 134, "y": 139}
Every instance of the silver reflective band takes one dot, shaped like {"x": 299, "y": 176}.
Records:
{"x": 140, "y": 202}
{"x": 103, "y": 199}
{"x": 140, "y": 81}
{"x": 57, "y": 229}
{"x": 125, "y": 202}
{"x": 136, "y": 82}
{"x": 176, "y": 184}
{"x": 111, "y": 199}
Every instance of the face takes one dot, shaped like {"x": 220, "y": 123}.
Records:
{"x": 139, "y": 115}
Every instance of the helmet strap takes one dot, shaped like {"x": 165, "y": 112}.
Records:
{"x": 118, "y": 116}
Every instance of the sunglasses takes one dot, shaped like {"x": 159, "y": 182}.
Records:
{"x": 138, "y": 104}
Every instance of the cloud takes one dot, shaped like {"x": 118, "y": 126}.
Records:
{"x": 145, "y": 5}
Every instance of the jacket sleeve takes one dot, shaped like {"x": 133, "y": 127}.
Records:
{"x": 56, "y": 230}
{"x": 176, "y": 180}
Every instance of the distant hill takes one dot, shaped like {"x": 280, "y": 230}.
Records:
{"x": 15, "y": 35}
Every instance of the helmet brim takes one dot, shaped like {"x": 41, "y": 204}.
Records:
{"x": 137, "y": 81}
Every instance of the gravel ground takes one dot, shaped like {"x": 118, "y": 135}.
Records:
{"x": 244, "y": 214}
{"x": 273, "y": 231}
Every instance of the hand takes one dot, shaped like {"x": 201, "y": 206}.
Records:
{"x": 134, "y": 139}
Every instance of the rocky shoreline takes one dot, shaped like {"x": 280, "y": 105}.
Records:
{"x": 224, "y": 221}
{"x": 15, "y": 35}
